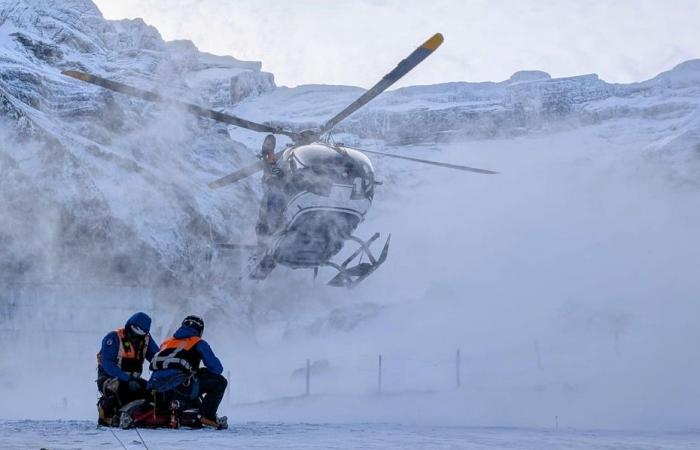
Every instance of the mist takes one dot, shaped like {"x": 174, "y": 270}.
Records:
{"x": 567, "y": 282}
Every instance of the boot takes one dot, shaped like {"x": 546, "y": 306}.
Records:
{"x": 221, "y": 423}
{"x": 105, "y": 413}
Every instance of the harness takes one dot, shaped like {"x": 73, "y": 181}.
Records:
{"x": 177, "y": 354}
{"x": 130, "y": 357}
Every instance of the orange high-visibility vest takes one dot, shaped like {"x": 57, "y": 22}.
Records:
{"x": 184, "y": 344}
{"x": 179, "y": 354}
{"x": 129, "y": 359}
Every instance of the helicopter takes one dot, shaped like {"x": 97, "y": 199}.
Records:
{"x": 318, "y": 191}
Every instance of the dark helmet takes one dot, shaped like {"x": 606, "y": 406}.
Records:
{"x": 194, "y": 322}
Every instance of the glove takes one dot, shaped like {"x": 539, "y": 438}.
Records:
{"x": 134, "y": 385}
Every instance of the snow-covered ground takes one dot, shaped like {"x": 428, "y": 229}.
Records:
{"x": 82, "y": 435}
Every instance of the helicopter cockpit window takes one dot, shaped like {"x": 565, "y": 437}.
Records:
{"x": 312, "y": 179}
{"x": 320, "y": 178}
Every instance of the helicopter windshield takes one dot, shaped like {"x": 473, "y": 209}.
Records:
{"x": 317, "y": 168}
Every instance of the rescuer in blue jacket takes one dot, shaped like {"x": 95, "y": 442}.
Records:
{"x": 120, "y": 364}
{"x": 176, "y": 370}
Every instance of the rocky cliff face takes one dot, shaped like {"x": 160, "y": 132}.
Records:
{"x": 114, "y": 186}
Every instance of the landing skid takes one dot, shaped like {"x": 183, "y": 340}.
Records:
{"x": 350, "y": 277}
{"x": 263, "y": 263}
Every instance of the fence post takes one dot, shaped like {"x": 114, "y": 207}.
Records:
{"x": 458, "y": 368}
{"x": 379, "y": 375}
{"x": 538, "y": 355}
{"x": 228, "y": 387}
{"x": 308, "y": 377}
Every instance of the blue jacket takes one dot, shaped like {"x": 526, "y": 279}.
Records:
{"x": 167, "y": 379}
{"x": 110, "y": 346}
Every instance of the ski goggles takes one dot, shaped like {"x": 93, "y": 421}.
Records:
{"x": 137, "y": 330}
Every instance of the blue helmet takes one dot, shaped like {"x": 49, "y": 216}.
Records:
{"x": 138, "y": 325}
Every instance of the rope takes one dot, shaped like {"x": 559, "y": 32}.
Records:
{"x": 141, "y": 437}
{"x": 118, "y": 440}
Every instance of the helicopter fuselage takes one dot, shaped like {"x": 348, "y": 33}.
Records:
{"x": 328, "y": 190}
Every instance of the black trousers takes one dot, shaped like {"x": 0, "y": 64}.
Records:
{"x": 117, "y": 393}
{"x": 211, "y": 391}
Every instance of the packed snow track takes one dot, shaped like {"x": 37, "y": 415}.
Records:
{"x": 56, "y": 435}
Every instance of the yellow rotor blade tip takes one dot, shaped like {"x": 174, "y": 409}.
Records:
{"x": 434, "y": 42}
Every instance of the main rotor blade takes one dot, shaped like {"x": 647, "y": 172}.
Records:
{"x": 405, "y": 66}
{"x": 240, "y": 173}
{"x": 188, "y": 107}
{"x": 433, "y": 163}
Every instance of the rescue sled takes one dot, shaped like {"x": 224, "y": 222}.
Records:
{"x": 166, "y": 413}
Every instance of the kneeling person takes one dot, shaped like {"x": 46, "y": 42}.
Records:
{"x": 176, "y": 368}
{"x": 120, "y": 363}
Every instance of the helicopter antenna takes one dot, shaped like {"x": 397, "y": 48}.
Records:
{"x": 330, "y": 140}
{"x": 188, "y": 107}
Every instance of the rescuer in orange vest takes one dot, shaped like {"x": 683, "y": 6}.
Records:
{"x": 176, "y": 370}
{"x": 120, "y": 363}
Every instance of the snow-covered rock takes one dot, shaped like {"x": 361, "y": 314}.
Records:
{"x": 105, "y": 163}
{"x": 529, "y": 101}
